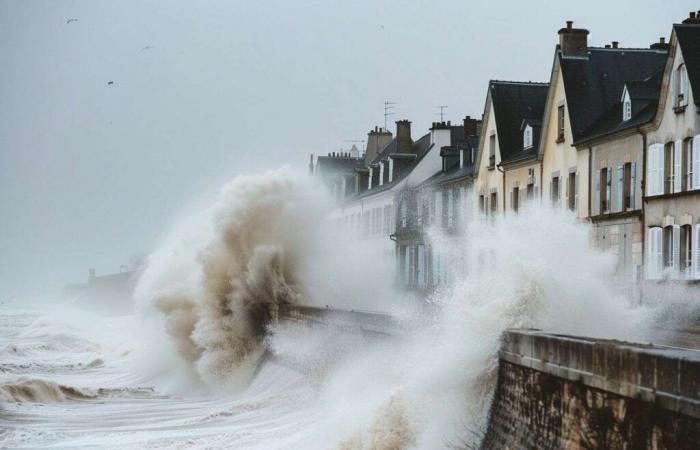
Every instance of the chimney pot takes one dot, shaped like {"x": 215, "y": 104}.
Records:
{"x": 692, "y": 14}
{"x": 607, "y": 46}
{"x": 615, "y": 44}
{"x": 569, "y": 24}
{"x": 662, "y": 40}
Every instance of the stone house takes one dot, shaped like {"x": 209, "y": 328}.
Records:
{"x": 671, "y": 209}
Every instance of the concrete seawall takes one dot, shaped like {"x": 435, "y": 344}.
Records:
{"x": 558, "y": 392}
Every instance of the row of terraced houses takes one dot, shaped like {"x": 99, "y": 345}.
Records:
{"x": 614, "y": 136}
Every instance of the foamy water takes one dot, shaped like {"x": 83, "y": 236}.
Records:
{"x": 200, "y": 365}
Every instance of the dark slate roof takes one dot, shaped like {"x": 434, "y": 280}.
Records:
{"x": 328, "y": 165}
{"x": 689, "y": 40}
{"x": 645, "y": 99}
{"x": 454, "y": 172}
{"x": 419, "y": 147}
{"x": 384, "y": 153}
{"x": 515, "y": 102}
{"x": 594, "y": 84}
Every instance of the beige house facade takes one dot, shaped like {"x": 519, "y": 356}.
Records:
{"x": 672, "y": 175}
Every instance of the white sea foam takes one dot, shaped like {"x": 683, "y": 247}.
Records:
{"x": 203, "y": 326}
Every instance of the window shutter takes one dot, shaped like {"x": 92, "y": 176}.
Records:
{"x": 576, "y": 190}
{"x": 620, "y": 188}
{"x": 608, "y": 191}
{"x": 633, "y": 184}
{"x": 651, "y": 170}
{"x": 596, "y": 197}
{"x": 695, "y": 251}
{"x": 654, "y": 254}
{"x": 696, "y": 162}
{"x": 676, "y": 250}
{"x": 677, "y": 160}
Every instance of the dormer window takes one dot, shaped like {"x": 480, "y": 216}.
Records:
{"x": 527, "y": 137}
{"x": 627, "y": 110}
{"x": 626, "y": 105}
{"x": 681, "y": 86}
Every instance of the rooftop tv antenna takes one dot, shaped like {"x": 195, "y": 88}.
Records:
{"x": 388, "y": 106}
{"x": 442, "y": 112}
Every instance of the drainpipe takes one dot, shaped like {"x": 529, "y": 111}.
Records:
{"x": 642, "y": 177}
{"x": 500, "y": 169}
{"x": 590, "y": 179}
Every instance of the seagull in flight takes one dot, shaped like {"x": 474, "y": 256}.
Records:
{"x": 71, "y": 20}
{"x": 148, "y": 47}
{"x": 110, "y": 83}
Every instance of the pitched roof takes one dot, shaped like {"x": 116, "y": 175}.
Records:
{"x": 515, "y": 102}
{"x": 645, "y": 99}
{"x": 594, "y": 84}
{"x": 419, "y": 148}
{"x": 689, "y": 40}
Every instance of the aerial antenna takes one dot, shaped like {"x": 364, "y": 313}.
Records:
{"x": 388, "y": 106}
{"x": 442, "y": 112}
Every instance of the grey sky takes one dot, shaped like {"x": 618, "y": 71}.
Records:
{"x": 92, "y": 174}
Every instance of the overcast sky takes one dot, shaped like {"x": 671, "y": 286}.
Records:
{"x": 92, "y": 174}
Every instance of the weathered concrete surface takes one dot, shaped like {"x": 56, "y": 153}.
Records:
{"x": 365, "y": 322}
{"x": 562, "y": 392}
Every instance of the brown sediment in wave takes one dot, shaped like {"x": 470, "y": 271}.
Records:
{"x": 41, "y": 391}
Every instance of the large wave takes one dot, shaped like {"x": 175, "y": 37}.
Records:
{"x": 263, "y": 243}
{"x": 215, "y": 285}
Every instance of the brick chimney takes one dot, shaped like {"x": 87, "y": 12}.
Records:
{"x": 693, "y": 18}
{"x": 472, "y": 127}
{"x": 403, "y": 136}
{"x": 377, "y": 139}
{"x": 661, "y": 45}
{"x": 573, "y": 41}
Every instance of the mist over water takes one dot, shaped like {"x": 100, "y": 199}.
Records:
{"x": 203, "y": 335}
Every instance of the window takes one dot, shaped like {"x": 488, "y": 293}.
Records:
{"x": 627, "y": 110}
{"x": 555, "y": 191}
{"x": 560, "y": 124}
{"x": 450, "y": 208}
{"x": 482, "y": 204}
{"x": 629, "y": 183}
{"x": 527, "y": 137}
{"x": 494, "y": 202}
{"x": 620, "y": 190}
{"x": 686, "y": 249}
{"x": 605, "y": 181}
{"x": 492, "y": 151}
{"x": 515, "y": 198}
{"x": 530, "y": 191}
{"x": 671, "y": 248}
{"x": 573, "y": 195}
{"x": 681, "y": 86}
{"x": 673, "y": 165}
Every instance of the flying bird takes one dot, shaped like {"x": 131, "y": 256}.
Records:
{"x": 110, "y": 83}
{"x": 71, "y": 20}
{"x": 148, "y": 47}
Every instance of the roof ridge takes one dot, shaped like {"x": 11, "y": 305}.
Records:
{"x": 543, "y": 83}
{"x": 647, "y": 49}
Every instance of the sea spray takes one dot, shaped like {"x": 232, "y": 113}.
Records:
{"x": 431, "y": 387}
{"x": 265, "y": 242}
{"x": 215, "y": 301}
